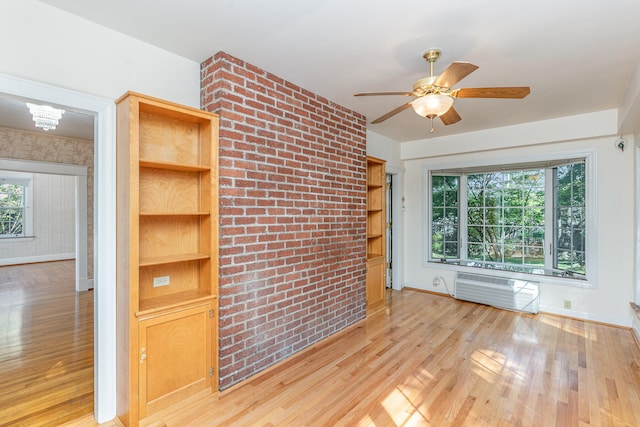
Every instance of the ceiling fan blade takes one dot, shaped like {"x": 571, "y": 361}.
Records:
{"x": 454, "y": 73}
{"x": 450, "y": 117}
{"x": 491, "y": 92}
{"x": 383, "y": 93}
{"x": 392, "y": 113}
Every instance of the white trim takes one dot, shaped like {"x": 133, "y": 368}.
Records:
{"x": 42, "y": 167}
{"x": 82, "y": 271}
{"x": 37, "y": 258}
{"x": 28, "y": 211}
{"x": 591, "y": 252}
{"x": 105, "y": 262}
{"x": 548, "y": 221}
{"x": 104, "y": 230}
{"x": 16, "y": 239}
{"x": 636, "y": 288}
{"x": 463, "y": 214}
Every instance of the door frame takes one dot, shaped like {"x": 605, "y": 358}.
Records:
{"x": 397, "y": 226}
{"x": 104, "y": 271}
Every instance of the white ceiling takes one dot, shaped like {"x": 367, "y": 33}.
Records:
{"x": 577, "y": 56}
{"x": 15, "y": 114}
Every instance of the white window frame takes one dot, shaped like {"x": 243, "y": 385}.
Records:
{"x": 25, "y": 179}
{"x": 591, "y": 246}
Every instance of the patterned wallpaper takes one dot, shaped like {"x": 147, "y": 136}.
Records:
{"x": 24, "y": 145}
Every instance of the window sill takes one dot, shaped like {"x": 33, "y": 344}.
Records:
{"x": 516, "y": 272}
{"x": 17, "y": 239}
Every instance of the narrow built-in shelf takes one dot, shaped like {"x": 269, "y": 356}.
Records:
{"x": 167, "y": 254}
{"x": 173, "y": 166}
{"x": 170, "y": 301}
{"x": 174, "y": 213}
{"x": 146, "y": 262}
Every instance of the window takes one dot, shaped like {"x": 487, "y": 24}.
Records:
{"x": 569, "y": 218}
{"x": 505, "y": 217}
{"x": 15, "y": 206}
{"x": 528, "y": 218}
{"x": 445, "y": 216}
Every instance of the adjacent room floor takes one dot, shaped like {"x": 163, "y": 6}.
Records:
{"x": 46, "y": 345}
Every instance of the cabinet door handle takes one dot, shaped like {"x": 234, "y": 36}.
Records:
{"x": 143, "y": 354}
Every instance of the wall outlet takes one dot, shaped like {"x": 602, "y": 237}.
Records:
{"x": 567, "y": 304}
{"x": 437, "y": 281}
{"x": 161, "y": 281}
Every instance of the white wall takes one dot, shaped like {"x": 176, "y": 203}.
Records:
{"x": 615, "y": 206}
{"x": 53, "y": 223}
{"x": 384, "y": 148}
{"x": 44, "y": 44}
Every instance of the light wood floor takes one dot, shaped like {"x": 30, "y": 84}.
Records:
{"x": 440, "y": 362}
{"x": 46, "y": 345}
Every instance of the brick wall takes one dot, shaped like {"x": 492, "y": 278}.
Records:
{"x": 292, "y": 215}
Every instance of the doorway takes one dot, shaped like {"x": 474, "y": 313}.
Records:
{"x": 47, "y": 312}
{"x": 82, "y": 236}
{"x": 389, "y": 230}
{"x": 395, "y": 227}
{"x": 103, "y": 111}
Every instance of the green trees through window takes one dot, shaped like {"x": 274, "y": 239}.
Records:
{"x": 501, "y": 217}
{"x": 12, "y": 209}
{"x": 445, "y": 216}
{"x": 569, "y": 217}
{"x": 505, "y": 221}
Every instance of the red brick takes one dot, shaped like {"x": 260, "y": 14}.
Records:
{"x": 292, "y": 200}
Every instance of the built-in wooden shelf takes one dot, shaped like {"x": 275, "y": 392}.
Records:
{"x": 166, "y": 303}
{"x": 376, "y": 265}
{"x": 169, "y": 259}
{"x": 174, "y": 213}
{"x": 155, "y": 164}
{"x": 167, "y": 255}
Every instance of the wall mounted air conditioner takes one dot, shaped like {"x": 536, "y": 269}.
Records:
{"x": 501, "y": 292}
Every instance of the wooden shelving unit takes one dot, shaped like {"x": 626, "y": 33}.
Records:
{"x": 376, "y": 222}
{"x": 166, "y": 255}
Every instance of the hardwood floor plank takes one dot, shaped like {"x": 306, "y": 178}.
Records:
{"x": 436, "y": 361}
{"x": 46, "y": 345}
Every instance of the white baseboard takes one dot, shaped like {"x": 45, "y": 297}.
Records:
{"x": 37, "y": 258}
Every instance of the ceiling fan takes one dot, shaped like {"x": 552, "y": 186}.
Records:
{"x": 435, "y": 95}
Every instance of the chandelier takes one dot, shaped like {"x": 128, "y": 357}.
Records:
{"x": 45, "y": 116}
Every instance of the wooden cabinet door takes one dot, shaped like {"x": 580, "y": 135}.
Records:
{"x": 175, "y": 357}
{"x": 375, "y": 284}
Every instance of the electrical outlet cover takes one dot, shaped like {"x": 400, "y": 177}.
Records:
{"x": 161, "y": 281}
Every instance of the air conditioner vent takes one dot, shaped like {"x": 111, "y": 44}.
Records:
{"x": 501, "y": 292}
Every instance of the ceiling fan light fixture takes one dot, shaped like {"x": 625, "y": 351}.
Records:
{"x": 45, "y": 116}
{"x": 432, "y": 105}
